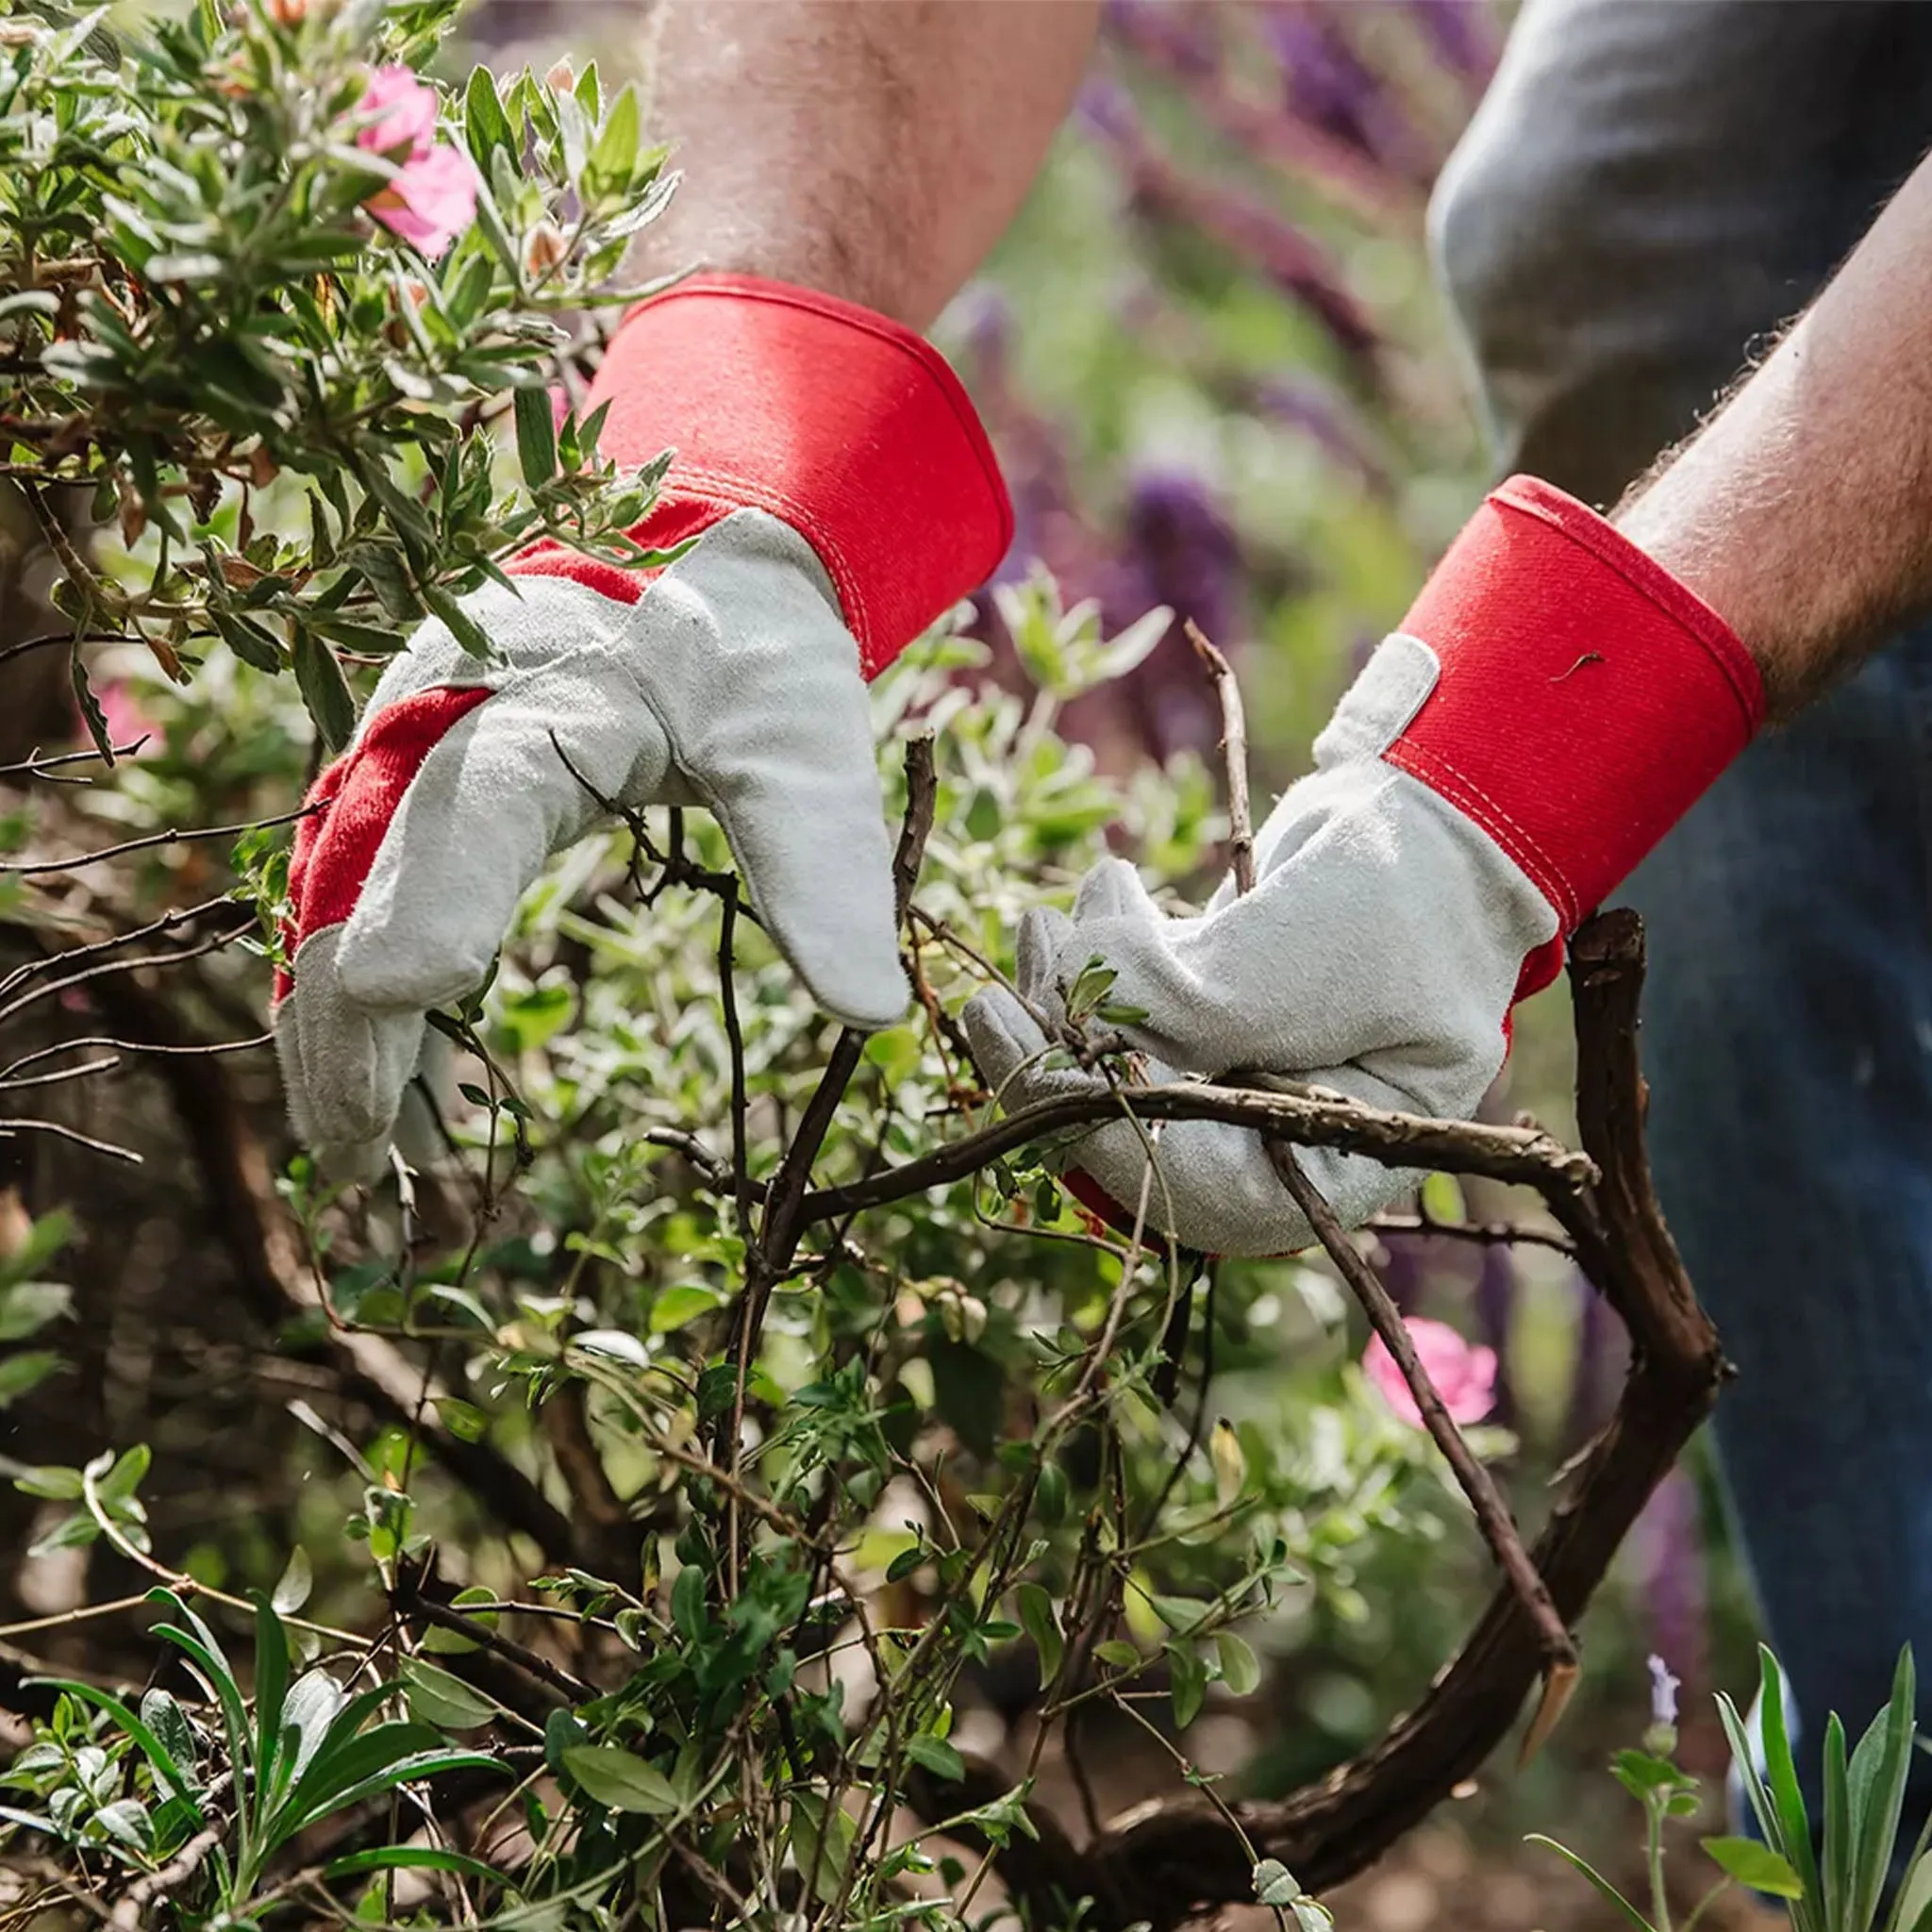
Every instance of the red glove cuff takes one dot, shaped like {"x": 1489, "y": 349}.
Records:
{"x": 1586, "y": 698}
{"x": 850, "y": 429}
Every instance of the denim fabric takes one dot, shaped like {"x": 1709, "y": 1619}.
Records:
{"x": 1650, "y": 189}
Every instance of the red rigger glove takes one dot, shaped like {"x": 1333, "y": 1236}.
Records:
{"x": 1552, "y": 704}
{"x": 846, "y": 495}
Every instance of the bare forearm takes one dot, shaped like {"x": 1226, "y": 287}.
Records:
{"x": 1803, "y": 510}
{"x": 873, "y": 149}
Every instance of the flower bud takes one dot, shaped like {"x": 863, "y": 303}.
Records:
{"x": 544, "y": 249}
{"x": 561, "y": 79}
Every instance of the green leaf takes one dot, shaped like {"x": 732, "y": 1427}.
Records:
{"x": 1442, "y": 1200}
{"x": 1187, "y": 1679}
{"x": 938, "y": 1757}
{"x": 687, "y": 1603}
{"x": 1912, "y": 1910}
{"x": 1274, "y": 1884}
{"x": 1241, "y": 1669}
{"x": 271, "y": 1688}
{"x": 26, "y": 1371}
{"x": 436, "y": 1697}
{"x": 1876, "y": 1791}
{"x": 28, "y": 1306}
{"x": 296, "y": 1581}
{"x": 324, "y": 689}
{"x": 679, "y": 1305}
{"x": 1180, "y": 1613}
{"x": 412, "y": 1858}
{"x": 157, "y": 1753}
{"x": 91, "y": 715}
{"x": 461, "y": 626}
{"x": 1116, "y": 1652}
{"x": 621, "y": 1781}
{"x": 1042, "y": 1623}
{"x": 250, "y": 641}
{"x": 485, "y": 126}
{"x": 364, "y": 638}
{"x": 536, "y": 436}
{"x": 1793, "y": 1837}
{"x": 55, "y": 1484}
{"x": 614, "y": 152}
{"x": 70, "y": 1533}
{"x": 1608, "y": 1891}
{"x": 164, "y": 1717}
{"x": 316, "y": 1705}
{"x": 1837, "y": 1871}
{"x": 365, "y": 1765}
{"x": 126, "y": 1823}
{"x": 125, "y": 1474}
{"x": 1756, "y": 1865}
{"x": 1640, "y": 1774}
{"x": 821, "y": 1841}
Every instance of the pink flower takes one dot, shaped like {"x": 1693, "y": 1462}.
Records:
{"x": 396, "y": 109}
{"x": 1464, "y": 1372}
{"x": 433, "y": 199}
{"x": 128, "y": 720}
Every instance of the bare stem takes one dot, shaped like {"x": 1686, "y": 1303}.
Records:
{"x": 1234, "y": 747}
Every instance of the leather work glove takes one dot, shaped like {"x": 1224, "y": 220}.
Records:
{"x": 1552, "y": 704}
{"x": 844, "y": 496}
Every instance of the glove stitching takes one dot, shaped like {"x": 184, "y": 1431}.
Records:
{"x": 1516, "y": 844}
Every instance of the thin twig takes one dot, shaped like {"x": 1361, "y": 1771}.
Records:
{"x": 53, "y": 960}
{"x": 38, "y": 868}
{"x": 62, "y": 1132}
{"x": 1234, "y": 745}
{"x": 39, "y": 767}
{"x": 131, "y": 1908}
{"x": 1492, "y": 1512}
{"x": 409, "y": 1602}
{"x": 1486, "y": 1233}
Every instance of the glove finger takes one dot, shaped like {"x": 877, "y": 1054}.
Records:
{"x": 344, "y": 1065}
{"x": 809, "y": 834}
{"x": 770, "y": 724}
{"x": 518, "y": 778}
{"x": 1112, "y": 890}
{"x": 1045, "y": 934}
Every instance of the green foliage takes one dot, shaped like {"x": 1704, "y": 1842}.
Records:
{"x": 1863, "y": 1802}
{"x": 142, "y": 1788}
{"x": 289, "y": 413}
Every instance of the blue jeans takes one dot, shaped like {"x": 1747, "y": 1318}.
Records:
{"x": 1650, "y": 188}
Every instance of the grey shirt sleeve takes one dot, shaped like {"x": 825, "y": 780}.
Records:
{"x": 1649, "y": 189}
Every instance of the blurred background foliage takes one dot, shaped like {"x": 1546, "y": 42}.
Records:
{"x": 1213, "y": 357}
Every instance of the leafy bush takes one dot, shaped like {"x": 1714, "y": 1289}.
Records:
{"x": 703, "y": 1469}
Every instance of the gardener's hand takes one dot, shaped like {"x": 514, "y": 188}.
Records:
{"x": 1554, "y": 703}
{"x": 845, "y": 497}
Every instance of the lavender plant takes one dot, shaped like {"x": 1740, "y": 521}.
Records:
{"x": 1843, "y": 1873}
